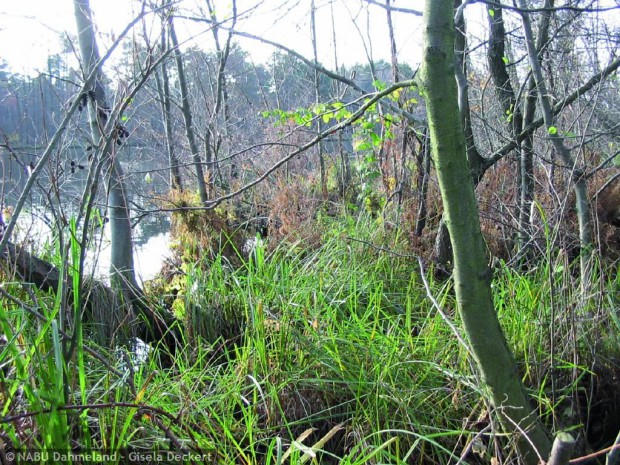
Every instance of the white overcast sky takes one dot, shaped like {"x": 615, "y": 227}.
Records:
{"x": 30, "y": 30}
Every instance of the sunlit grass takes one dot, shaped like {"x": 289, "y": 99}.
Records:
{"x": 328, "y": 355}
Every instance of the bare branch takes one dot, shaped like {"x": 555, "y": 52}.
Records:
{"x": 394, "y": 8}
{"x": 343, "y": 124}
{"x": 557, "y": 108}
{"x": 61, "y": 127}
{"x": 311, "y": 64}
{"x": 549, "y": 9}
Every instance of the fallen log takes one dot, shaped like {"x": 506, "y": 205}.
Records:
{"x": 103, "y": 311}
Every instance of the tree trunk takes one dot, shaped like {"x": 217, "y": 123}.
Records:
{"x": 122, "y": 275}
{"x": 526, "y": 173}
{"x": 581, "y": 191}
{"x": 187, "y": 116}
{"x": 163, "y": 88}
{"x": 526, "y": 190}
{"x": 443, "y": 253}
{"x": 423, "y": 160}
{"x": 472, "y": 276}
{"x": 513, "y": 114}
{"x": 317, "y": 101}
{"x": 97, "y": 300}
{"x": 345, "y": 169}
{"x": 221, "y": 101}
{"x": 475, "y": 160}
{"x": 400, "y": 177}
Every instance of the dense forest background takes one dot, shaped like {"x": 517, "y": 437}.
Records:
{"x": 384, "y": 262}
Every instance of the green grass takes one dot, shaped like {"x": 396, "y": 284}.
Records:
{"x": 330, "y": 355}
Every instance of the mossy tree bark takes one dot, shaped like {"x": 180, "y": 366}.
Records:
{"x": 472, "y": 277}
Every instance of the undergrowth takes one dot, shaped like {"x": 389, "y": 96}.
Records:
{"x": 328, "y": 354}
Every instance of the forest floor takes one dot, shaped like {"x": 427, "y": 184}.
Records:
{"x": 338, "y": 350}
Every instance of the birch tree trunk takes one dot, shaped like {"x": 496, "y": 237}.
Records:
{"x": 122, "y": 274}
{"x": 472, "y": 277}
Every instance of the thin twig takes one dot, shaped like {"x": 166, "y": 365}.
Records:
{"x": 381, "y": 249}
{"x": 444, "y": 316}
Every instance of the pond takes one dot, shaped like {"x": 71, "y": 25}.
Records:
{"x": 151, "y": 248}
{"x": 151, "y": 243}
{"x": 64, "y": 185}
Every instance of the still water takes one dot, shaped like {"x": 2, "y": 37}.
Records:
{"x": 35, "y": 229}
{"x": 149, "y": 255}
{"x": 151, "y": 244}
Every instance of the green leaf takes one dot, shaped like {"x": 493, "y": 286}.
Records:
{"x": 396, "y": 94}
{"x": 505, "y": 60}
{"x": 376, "y": 139}
{"x": 124, "y": 118}
{"x": 379, "y": 85}
{"x": 491, "y": 12}
{"x": 343, "y": 113}
{"x": 319, "y": 108}
{"x": 552, "y": 130}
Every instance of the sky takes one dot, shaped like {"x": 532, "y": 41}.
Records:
{"x": 31, "y": 30}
